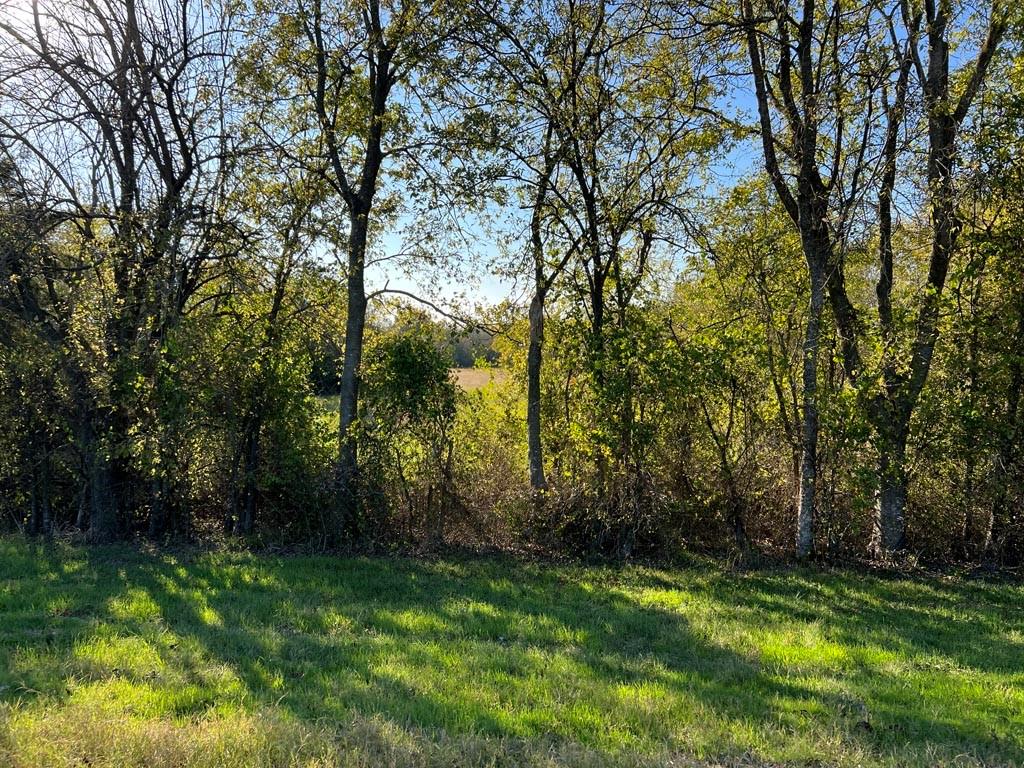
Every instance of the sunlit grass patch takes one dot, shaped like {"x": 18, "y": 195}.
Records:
{"x": 231, "y": 658}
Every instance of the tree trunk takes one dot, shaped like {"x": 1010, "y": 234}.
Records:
{"x": 892, "y": 419}
{"x": 892, "y": 494}
{"x": 247, "y": 513}
{"x": 534, "y": 359}
{"x": 597, "y": 362}
{"x": 103, "y": 523}
{"x": 348, "y": 404}
{"x": 809, "y": 435}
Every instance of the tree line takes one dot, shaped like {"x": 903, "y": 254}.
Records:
{"x": 765, "y": 259}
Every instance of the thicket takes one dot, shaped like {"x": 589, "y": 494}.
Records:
{"x": 767, "y": 260}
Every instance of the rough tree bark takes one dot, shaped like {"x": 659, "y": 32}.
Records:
{"x": 355, "y": 325}
{"x": 809, "y": 431}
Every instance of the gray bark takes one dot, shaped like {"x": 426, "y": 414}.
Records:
{"x": 348, "y": 404}
{"x": 534, "y": 359}
{"x": 892, "y": 497}
{"x": 809, "y": 432}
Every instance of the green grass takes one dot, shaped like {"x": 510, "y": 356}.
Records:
{"x": 115, "y": 656}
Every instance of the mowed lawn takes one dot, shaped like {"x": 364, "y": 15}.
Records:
{"x": 119, "y": 657}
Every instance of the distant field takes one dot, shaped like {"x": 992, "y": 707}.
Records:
{"x": 115, "y": 657}
{"x": 471, "y": 379}
{"x": 468, "y": 379}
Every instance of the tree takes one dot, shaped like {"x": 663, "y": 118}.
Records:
{"x": 925, "y": 53}
{"x": 806, "y": 67}
{"x": 361, "y": 70}
{"x": 606, "y": 134}
{"x": 124, "y": 125}
{"x": 528, "y": 83}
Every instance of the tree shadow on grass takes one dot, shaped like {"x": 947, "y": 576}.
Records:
{"x": 500, "y": 648}
{"x": 933, "y": 660}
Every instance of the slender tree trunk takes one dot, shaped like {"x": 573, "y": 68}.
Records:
{"x": 381, "y": 76}
{"x": 250, "y": 490}
{"x": 534, "y": 359}
{"x": 809, "y": 433}
{"x": 597, "y": 352}
{"x": 535, "y": 354}
{"x": 349, "y": 400}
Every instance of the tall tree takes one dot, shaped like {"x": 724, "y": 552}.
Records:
{"x": 922, "y": 40}
{"x": 803, "y": 63}
{"x": 360, "y": 70}
{"x": 609, "y": 106}
{"x": 120, "y": 108}
{"x": 519, "y": 45}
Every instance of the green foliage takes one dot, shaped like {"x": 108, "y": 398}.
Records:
{"x": 410, "y": 398}
{"x": 408, "y": 383}
{"x": 167, "y": 362}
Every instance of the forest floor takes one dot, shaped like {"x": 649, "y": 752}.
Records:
{"x": 118, "y": 656}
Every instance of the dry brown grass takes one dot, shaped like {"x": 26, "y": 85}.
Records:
{"x": 472, "y": 379}
{"x": 89, "y": 735}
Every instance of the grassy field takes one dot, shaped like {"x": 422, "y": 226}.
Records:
{"x": 120, "y": 657}
{"x": 471, "y": 379}
{"x": 467, "y": 379}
